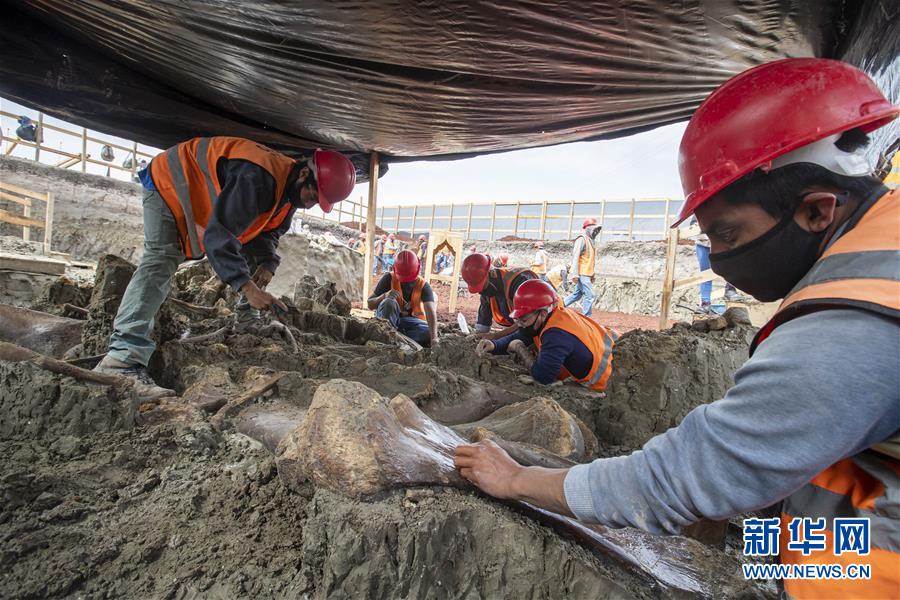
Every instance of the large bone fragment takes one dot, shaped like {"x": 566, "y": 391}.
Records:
{"x": 42, "y": 332}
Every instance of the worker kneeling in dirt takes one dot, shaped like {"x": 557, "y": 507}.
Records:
{"x": 774, "y": 164}
{"x": 216, "y": 196}
{"x": 569, "y": 345}
{"x": 404, "y": 299}
{"x": 497, "y": 286}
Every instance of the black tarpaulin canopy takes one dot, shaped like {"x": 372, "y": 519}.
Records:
{"x": 411, "y": 80}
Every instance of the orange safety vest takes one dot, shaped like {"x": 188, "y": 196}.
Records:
{"x": 415, "y": 300}
{"x": 505, "y": 278}
{"x": 186, "y": 178}
{"x": 586, "y": 260}
{"x": 598, "y": 339}
{"x": 860, "y": 270}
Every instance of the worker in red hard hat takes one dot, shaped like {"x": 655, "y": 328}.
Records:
{"x": 501, "y": 261}
{"x": 497, "y": 286}
{"x": 776, "y": 167}
{"x": 230, "y": 199}
{"x": 569, "y": 345}
{"x": 584, "y": 259}
{"x": 404, "y": 299}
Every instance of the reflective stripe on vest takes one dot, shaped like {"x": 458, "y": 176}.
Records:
{"x": 599, "y": 341}
{"x": 506, "y": 278}
{"x": 185, "y": 177}
{"x": 860, "y": 269}
{"x": 415, "y": 297}
{"x": 586, "y": 260}
{"x": 865, "y": 486}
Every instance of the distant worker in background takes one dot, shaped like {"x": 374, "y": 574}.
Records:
{"x": 584, "y": 258}
{"x": 362, "y": 247}
{"x": 501, "y": 261}
{"x": 389, "y": 252}
{"x": 568, "y": 344}
{"x": 701, "y": 247}
{"x": 497, "y": 286}
{"x": 378, "y": 250}
{"x": 230, "y": 199}
{"x": 404, "y": 300}
{"x": 422, "y": 253}
{"x": 26, "y": 130}
{"x": 558, "y": 277}
{"x": 540, "y": 260}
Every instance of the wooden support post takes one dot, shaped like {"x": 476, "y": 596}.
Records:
{"x": 370, "y": 226}
{"x": 572, "y": 218}
{"x": 493, "y": 218}
{"x": 433, "y": 210}
{"x": 668, "y": 277}
{"x": 48, "y": 223}
{"x": 397, "y": 221}
{"x": 543, "y": 219}
{"x": 26, "y": 230}
{"x": 516, "y": 222}
{"x": 602, "y": 218}
{"x": 39, "y": 137}
{"x": 469, "y": 224}
{"x": 134, "y": 160}
{"x": 631, "y": 222}
{"x": 412, "y": 233}
{"x": 84, "y": 154}
{"x": 666, "y": 218}
{"x": 11, "y": 146}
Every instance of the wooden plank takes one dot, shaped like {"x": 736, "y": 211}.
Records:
{"x": 22, "y": 191}
{"x": 543, "y": 219}
{"x": 12, "y": 146}
{"x": 631, "y": 222}
{"x": 8, "y": 217}
{"x": 370, "y": 226}
{"x": 668, "y": 276}
{"x": 84, "y": 152}
{"x": 39, "y": 137}
{"x": 701, "y": 277}
{"x": 32, "y": 264}
{"x": 602, "y": 219}
{"x": 16, "y": 199}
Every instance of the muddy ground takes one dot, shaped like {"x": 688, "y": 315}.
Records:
{"x": 108, "y": 496}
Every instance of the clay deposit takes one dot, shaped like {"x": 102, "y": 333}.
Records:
{"x": 233, "y": 490}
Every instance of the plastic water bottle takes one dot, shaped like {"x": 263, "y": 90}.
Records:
{"x": 463, "y": 326}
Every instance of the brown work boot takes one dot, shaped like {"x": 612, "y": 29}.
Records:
{"x": 144, "y": 386}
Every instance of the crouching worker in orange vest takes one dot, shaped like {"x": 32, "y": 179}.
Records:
{"x": 774, "y": 164}
{"x": 230, "y": 199}
{"x": 569, "y": 345}
{"x": 404, "y": 300}
{"x": 497, "y": 286}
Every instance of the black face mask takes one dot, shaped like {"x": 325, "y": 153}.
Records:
{"x": 770, "y": 266}
{"x": 531, "y": 331}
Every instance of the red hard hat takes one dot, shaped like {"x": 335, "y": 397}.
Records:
{"x": 533, "y": 295}
{"x": 335, "y": 176}
{"x": 539, "y": 244}
{"x": 383, "y": 236}
{"x": 475, "y": 269}
{"x": 473, "y": 248}
{"x": 406, "y": 266}
{"x": 589, "y": 221}
{"x": 391, "y": 236}
{"x": 504, "y": 259}
{"x": 421, "y": 238}
{"x": 768, "y": 111}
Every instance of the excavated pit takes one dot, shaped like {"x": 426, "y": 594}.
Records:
{"x": 228, "y": 491}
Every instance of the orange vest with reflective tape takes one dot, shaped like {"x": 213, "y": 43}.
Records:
{"x": 415, "y": 298}
{"x": 505, "y": 278}
{"x": 861, "y": 269}
{"x": 588, "y": 254}
{"x": 597, "y": 338}
{"x": 185, "y": 176}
